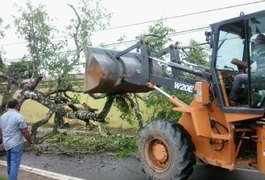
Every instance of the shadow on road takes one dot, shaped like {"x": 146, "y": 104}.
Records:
{"x": 206, "y": 172}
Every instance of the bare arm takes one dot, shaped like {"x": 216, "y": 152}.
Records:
{"x": 242, "y": 64}
{"x": 26, "y": 135}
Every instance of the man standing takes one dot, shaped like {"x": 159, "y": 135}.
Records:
{"x": 12, "y": 130}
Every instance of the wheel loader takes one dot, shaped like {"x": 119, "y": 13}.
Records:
{"x": 210, "y": 129}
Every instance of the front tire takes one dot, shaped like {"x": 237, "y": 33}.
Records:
{"x": 165, "y": 151}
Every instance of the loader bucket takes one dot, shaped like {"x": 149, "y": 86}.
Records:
{"x": 105, "y": 73}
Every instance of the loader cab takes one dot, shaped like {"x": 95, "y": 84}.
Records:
{"x": 234, "y": 53}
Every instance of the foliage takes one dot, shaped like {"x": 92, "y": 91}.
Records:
{"x": 1, "y": 29}
{"x": 125, "y": 107}
{"x": 198, "y": 54}
{"x": 90, "y": 16}
{"x": 156, "y": 37}
{"x": 20, "y": 70}
{"x": 127, "y": 146}
{"x": 2, "y": 65}
{"x": 160, "y": 106}
{"x": 33, "y": 24}
{"x": 127, "y": 104}
{"x": 3, "y": 177}
{"x": 125, "y": 110}
{"x": 157, "y": 40}
{"x": 120, "y": 144}
{"x": 54, "y": 59}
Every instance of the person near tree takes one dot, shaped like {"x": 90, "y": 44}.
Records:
{"x": 13, "y": 130}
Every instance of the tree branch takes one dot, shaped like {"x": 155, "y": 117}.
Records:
{"x": 77, "y": 27}
{"x": 136, "y": 109}
{"x": 11, "y": 80}
{"x": 35, "y": 126}
{"x": 59, "y": 90}
{"x": 79, "y": 114}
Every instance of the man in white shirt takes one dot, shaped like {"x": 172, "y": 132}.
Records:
{"x": 13, "y": 130}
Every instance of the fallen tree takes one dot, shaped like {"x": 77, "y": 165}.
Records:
{"x": 56, "y": 99}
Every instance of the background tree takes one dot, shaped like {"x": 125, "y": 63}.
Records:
{"x": 33, "y": 24}
{"x": 193, "y": 53}
{"x": 157, "y": 38}
{"x": 2, "y": 68}
{"x": 2, "y": 65}
{"x": 197, "y": 53}
{"x": 90, "y": 16}
{"x": 54, "y": 59}
{"x": 1, "y": 28}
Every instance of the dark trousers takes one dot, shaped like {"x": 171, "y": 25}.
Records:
{"x": 239, "y": 80}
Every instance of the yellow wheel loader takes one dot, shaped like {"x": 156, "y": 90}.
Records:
{"x": 211, "y": 128}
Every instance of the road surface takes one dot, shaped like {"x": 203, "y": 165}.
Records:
{"x": 106, "y": 166}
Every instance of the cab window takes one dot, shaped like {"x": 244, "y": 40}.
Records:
{"x": 257, "y": 66}
{"x": 231, "y": 48}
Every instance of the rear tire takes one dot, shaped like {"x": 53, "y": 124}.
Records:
{"x": 165, "y": 151}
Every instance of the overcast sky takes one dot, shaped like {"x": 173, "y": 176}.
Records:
{"x": 127, "y": 12}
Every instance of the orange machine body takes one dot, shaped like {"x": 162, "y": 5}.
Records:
{"x": 217, "y": 145}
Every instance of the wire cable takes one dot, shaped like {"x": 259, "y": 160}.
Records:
{"x": 184, "y": 15}
{"x": 162, "y": 19}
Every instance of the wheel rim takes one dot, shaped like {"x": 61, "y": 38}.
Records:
{"x": 157, "y": 154}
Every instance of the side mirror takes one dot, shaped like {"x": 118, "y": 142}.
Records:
{"x": 209, "y": 38}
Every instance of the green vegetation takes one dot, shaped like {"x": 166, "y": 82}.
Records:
{"x": 22, "y": 69}
{"x": 157, "y": 104}
{"x": 3, "y": 177}
{"x": 127, "y": 146}
{"x": 56, "y": 59}
{"x": 120, "y": 144}
{"x": 52, "y": 60}
{"x": 162, "y": 109}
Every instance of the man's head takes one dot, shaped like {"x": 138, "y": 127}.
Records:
{"x": 13, "y": 104}
{"x": 260, "y": 39}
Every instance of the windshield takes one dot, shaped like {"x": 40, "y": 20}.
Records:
{"x": 230, "y": 45}
{"x": 239, "y": 54}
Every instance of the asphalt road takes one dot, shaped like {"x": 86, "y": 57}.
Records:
{"x": 202, "y": 172}
{"x": 108, "y": 167}
{"x": 24, "y": 175}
